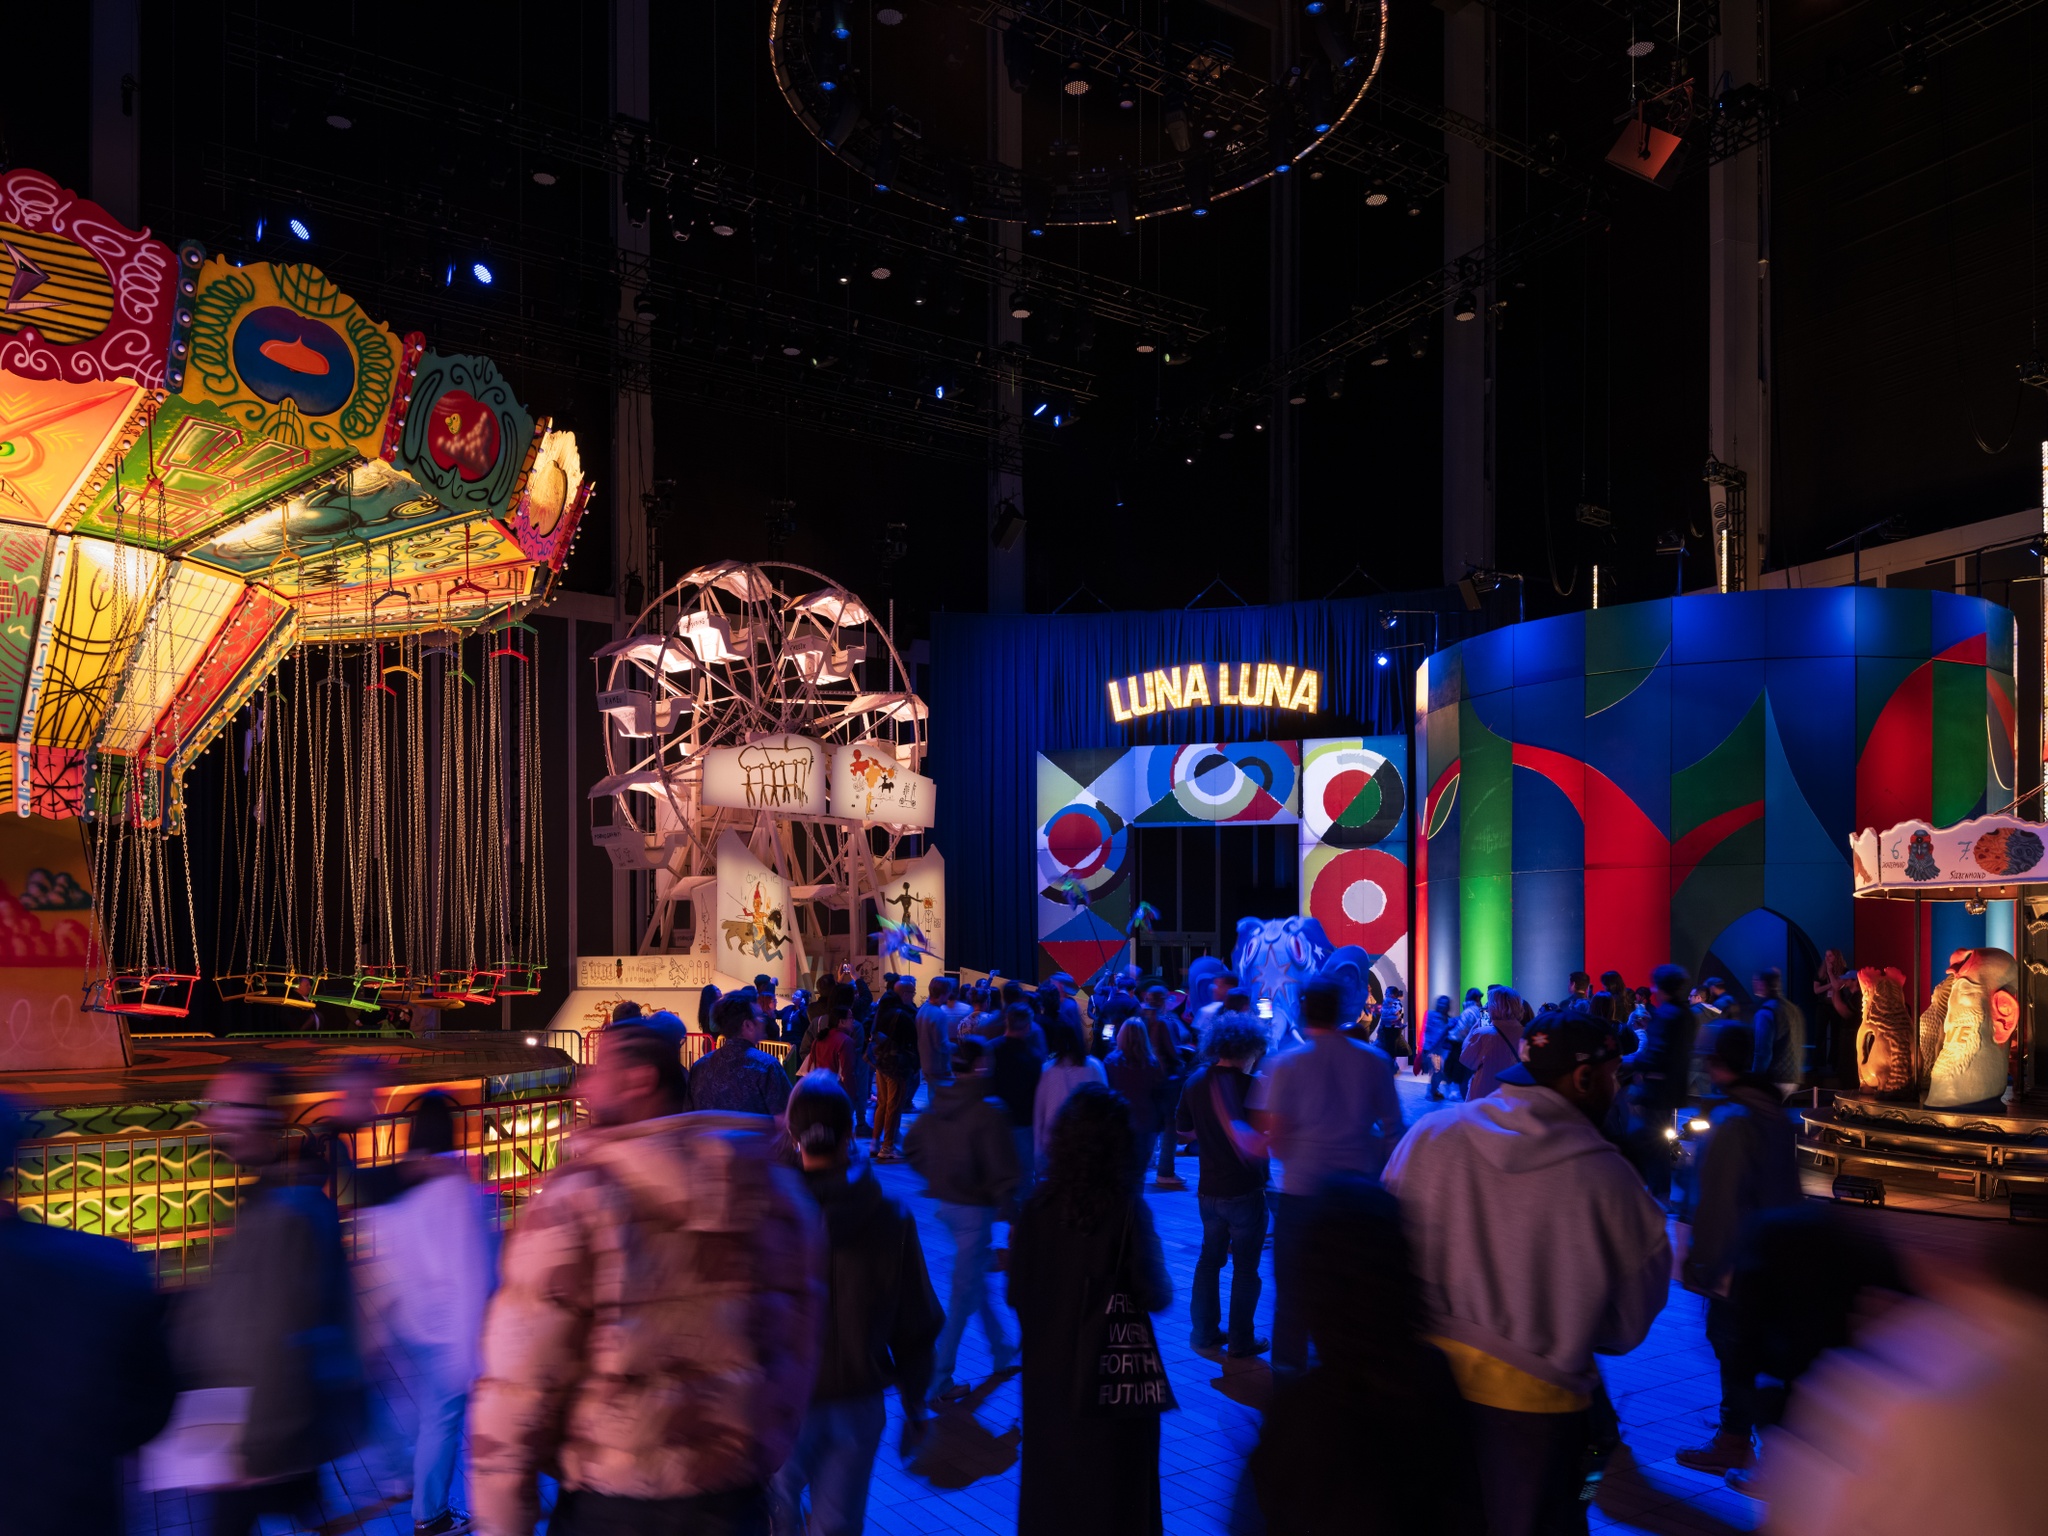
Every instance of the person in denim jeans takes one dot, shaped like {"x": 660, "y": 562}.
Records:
{"x": 962, "y": 1149}
{"x": 1232, "y": 1193}
{"x": 881, "y": 1319}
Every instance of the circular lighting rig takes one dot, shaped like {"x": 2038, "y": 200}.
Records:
{"x": 1245, "y": 127}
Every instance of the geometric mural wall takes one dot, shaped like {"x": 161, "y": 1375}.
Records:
{"x": 1348, "y": 796}
{"x": 1678, "y": 780}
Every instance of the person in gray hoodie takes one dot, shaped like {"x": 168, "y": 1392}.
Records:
{"x": 961, "y": 1147}
{"x": 1537, "y": 1247}
{"x": 1750, "y": 1164}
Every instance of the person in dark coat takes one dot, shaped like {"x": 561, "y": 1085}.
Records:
{"x": 1086, "y": 1221}
{"x": 1134, "y": 1072}
{"x": 1656, "y": 1073}
{"x": 1017, "y": 1059}
{"x": 1314, "y": 1470}
{"x": 880, "y": 1320}
{"x": 1750, "y": 1164}
{"x": 961, "y": 1148}
{"x": 87, "y": 1372}
{"x": 278, "y": 1316}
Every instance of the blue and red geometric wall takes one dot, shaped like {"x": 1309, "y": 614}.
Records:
{"x": 1677, "y": 780}
{"x": 1347, "y": 794}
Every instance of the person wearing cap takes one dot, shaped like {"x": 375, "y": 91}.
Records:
{"x": 1538, "y": 1248}
{"x": 1748, "y": 1164}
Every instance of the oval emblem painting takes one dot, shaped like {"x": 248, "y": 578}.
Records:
{"x": 281, "y": 354}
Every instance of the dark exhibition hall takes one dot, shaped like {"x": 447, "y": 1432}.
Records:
{"x": 1023, "y": 767}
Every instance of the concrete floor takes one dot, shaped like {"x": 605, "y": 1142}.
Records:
{"x": 965, "y": 1478}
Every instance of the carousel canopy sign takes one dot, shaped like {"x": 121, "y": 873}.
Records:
{"x": 1987, "y": 859}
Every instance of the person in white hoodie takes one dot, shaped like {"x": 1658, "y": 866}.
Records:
{"x": 1538, "y": 1248}
{"x": 1067, "y": 1068}
{"x": 431, "y": 1265}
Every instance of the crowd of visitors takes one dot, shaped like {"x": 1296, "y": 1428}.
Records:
{"x": 696, "y": 1321}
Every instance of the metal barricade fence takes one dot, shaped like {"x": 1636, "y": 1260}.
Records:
{"x": 170, "y": 1196}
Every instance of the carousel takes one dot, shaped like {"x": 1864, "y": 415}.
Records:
{"x": 241, "y": 516}
{"x": 1946, "y": 1102}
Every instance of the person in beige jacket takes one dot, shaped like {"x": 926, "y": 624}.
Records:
{"x": 655, "y": 1332}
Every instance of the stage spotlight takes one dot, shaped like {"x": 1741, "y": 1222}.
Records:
{"x": 1333, "y": 382}
{"x": 1913, "y": 67}
{"x": 1037, "y": 205}
{"x": 448, "y": 277}
{"x": 1322, "y": 110}
{"x": 1196, "y": 184}
{"x": 482, "y": 273}
{"x": 1041, "y": 408}
{"x": 792, "y": 347}
{"x": 1227, "y": 431}
{"x": 840, "y": 29}
{"x": 1020, "y": 304}
{"x": 644, "y": 307}
{"x": 1466, "y": 307}
{"x": 959, "y": 192}
{"x": 1418, "y": 342}
{"x": 1174, "y": 120}
{"x": 260, "y": 223}
{"x": 1380, "y": 658}
{"x": 885, "y": 159}
{"x": 723, "y": 222}
{"x": 1126, "y": 96}
{"x": 921, "y": 289}
{"x": 544, "y": 178}
{"x": 938, "y": 391}
{"x": 889, "y": 16}
{"x": 1009, "y": 526}
{"x": 1380, "y": 359}
{"x": 1297, "y": 394}
{"x": 1414, "y": 208}
{"x": 1641, "y": 48}
{"x": 299, "y": 229}
{"x": 1315, "y": 7}
{"x": 1376, "y": 196}
{"x": 880, "y": 270}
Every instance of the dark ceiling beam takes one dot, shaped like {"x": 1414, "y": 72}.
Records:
{"x": 390, "y": 85}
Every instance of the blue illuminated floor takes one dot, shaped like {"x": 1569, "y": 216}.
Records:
{"x": 966, "y": 1478}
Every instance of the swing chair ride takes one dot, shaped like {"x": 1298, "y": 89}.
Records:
{"x": 235, "y": 506}
{"x": 758, "y": 718}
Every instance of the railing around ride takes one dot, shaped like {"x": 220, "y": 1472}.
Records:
{"x": 170, "y": 1196}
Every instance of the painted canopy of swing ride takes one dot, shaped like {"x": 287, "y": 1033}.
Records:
{"x": 210, "y": 471}
{"x": 203, "y": 465}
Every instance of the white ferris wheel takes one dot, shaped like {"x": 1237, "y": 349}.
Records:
{"x": 755, "y": 655}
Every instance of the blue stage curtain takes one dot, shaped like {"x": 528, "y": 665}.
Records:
{"x": 1005, "y": 687}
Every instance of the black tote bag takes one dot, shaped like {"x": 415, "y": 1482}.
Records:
{"x": 1121, "y": 1376}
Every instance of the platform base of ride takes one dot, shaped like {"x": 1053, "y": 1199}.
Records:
{"x": 160, "y": 1089}
{"x": 1870, "y": 1148}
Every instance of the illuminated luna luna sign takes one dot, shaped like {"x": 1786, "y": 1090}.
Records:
{"x": 1250, "y": 685}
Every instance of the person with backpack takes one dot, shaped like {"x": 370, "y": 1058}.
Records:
{"x": 1084, "y": 1244}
